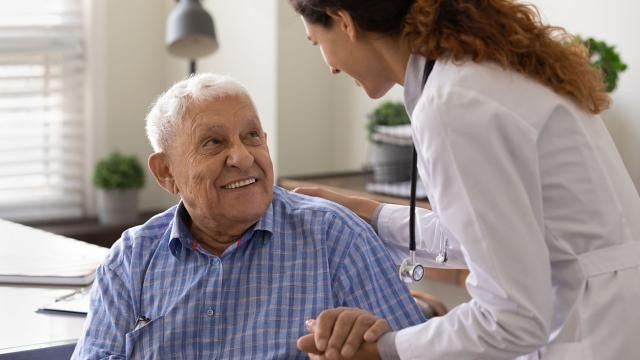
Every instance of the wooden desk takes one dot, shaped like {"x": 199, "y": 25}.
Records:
{"x": 355, "y": 184}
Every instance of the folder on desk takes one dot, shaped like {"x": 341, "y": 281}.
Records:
{"x": 33, "y": 256}
{"x": 77, "y": 303}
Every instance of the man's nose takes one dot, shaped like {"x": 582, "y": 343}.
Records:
{"x": 239, "y": 157}
{"x": 334, "y": 70}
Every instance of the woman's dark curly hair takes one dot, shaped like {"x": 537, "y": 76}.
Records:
{"x": 502, "y": 31}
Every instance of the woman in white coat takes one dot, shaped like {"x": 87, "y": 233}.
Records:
{"x": 524, "y": 182}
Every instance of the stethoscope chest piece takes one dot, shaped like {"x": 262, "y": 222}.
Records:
{"x": 410, "y": 271}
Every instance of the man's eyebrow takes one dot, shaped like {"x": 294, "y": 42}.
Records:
{"x": 208, "y": 127}
{"x": 252, "y": 121}
{"x": 249, "y": 119}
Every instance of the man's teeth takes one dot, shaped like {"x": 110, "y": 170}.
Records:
{"x": 241, "y": 183}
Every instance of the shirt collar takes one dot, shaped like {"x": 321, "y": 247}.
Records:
{"x": 266, "y": 221}
{"x": 413, "y": 81}
{"x": 180, "y": 236}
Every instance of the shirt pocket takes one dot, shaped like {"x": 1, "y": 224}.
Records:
{"x": 147, "y": 342}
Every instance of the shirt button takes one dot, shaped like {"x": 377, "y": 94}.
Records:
{"x": 210, "y": 312}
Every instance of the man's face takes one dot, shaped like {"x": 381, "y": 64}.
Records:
{"x": 220, "y": 162}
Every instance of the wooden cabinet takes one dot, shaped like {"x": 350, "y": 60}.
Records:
{"x": 355, "y": 184}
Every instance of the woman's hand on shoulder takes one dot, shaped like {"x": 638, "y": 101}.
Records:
{"x": 363, "y": 207}
{"x": 343, "y": 333}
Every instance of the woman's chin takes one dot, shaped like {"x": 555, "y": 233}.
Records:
{"x": 375, "y": 92}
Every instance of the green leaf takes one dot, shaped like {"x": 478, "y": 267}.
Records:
{"x": 606, "y": 58}
{"x": 118, "y": 171}
{"x": 389, "y": 113}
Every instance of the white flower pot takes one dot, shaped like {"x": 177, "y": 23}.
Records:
{"x": 117, "y": 206}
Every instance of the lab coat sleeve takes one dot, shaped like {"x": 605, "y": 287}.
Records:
{"x": 480, "y": 161}
{"x": 393, "y": 228}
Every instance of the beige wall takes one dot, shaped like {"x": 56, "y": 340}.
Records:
{"x": 131, "y": 68}
{"x": 315, "y": 120}
{"x": 615, "y": 22}
{"x": 128, "y": 72}
{"x": 321, "y": 117}
{"x": 338, "y": 125}
{"x": 246, "y": 31}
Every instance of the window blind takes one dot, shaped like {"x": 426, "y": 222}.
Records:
{"x": 42, "y": 63}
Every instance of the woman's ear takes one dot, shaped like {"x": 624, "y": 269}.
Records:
{"x": 159, "y": 165}
{"x": 345, "y": 22}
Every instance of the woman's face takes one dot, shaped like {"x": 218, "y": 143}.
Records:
{"x": 349, "y": 50}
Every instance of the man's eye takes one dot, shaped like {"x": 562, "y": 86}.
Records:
{"x": 254, "y": 134}
{"x": 212, "y": 142}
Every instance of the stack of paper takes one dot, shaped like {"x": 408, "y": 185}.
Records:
{"x": 33, "y": 256}
{"x": 77, "y": 302}
{"x": 399, "y": 189}
{"x": 396, "y": 135}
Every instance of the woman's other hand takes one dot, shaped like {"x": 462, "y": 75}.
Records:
{"x": 348, "y": 333}
{"x": 363, "y": 207}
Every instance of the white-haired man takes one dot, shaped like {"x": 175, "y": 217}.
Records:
{"x": 235, "y": 269}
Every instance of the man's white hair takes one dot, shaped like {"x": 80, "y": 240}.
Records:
{"x": 170, "y": 107}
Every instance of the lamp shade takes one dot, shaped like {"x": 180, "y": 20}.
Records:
{"x": 190, "y": 31}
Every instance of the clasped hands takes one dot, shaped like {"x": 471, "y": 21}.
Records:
{"x": 343, "y": 333}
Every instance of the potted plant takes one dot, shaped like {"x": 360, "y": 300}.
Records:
{"x": 118, "y": 179}
{"x": 390, "y": 134}
{"x": 605, "y": 57}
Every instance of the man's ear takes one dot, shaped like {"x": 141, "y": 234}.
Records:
{"x": 159, "y": 165}
{"x": 343, "y": 19}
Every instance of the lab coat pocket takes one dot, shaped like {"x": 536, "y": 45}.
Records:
{"x": 147, "y": 341}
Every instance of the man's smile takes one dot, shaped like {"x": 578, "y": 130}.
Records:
{"x": 240, "y": 183}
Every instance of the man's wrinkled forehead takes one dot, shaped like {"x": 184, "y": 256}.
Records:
{"x": 227, "y": 110}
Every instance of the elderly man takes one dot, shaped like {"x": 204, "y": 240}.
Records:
{"x": 235, "y": 269}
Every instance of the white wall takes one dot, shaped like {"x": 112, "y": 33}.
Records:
{"x": 339, "y": 126}
{"x": 305, "y": 110}
{"x": 246, "y": 32}
{"x": 128, "y": 72}
{"x": 614, "y": 21}
{"x": 315, "y": 120}
{"x": 132, "y": 68}
{"x": 321, "y": 117}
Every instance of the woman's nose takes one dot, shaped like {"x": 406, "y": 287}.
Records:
{"x": 334, "y": 70}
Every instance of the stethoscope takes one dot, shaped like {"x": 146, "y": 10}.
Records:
{"x": 410, "y": 270}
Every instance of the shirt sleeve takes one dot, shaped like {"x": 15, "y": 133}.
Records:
{"x": 392, "y": 224}
{"x": 367, "y": 279}
{"x": 110, "y": 315}
{"x": 481, "y": 164}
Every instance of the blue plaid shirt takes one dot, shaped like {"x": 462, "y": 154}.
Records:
{"x": 303, "y": 256}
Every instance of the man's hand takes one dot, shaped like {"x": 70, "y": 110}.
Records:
{"x": 363, "y": 207}
{"x": 339, "y": 333}
{"x": 438, "y": 307}
{"x": 367, "y": 351}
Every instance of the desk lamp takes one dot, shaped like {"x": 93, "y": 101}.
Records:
{"x": 190, "y": 32}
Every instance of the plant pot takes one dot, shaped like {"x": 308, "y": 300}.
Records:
{"x": 117, "y": 206}
{"x": 391, "y": 163}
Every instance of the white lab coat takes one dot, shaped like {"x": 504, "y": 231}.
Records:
{"x": 535, "y": 201}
